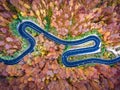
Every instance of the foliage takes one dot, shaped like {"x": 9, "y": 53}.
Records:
{"x": 68, "y": 20}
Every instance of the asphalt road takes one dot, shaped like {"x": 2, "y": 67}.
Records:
{"x": 97, "y": 43}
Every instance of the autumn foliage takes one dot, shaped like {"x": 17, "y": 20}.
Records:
{"x": 67, "y": 19}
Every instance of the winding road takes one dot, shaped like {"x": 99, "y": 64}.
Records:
{"x": 97, "y": 43}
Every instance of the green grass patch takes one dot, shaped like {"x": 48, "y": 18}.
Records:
{"x": 13, "y": 27}
{"x": 95, "y": 55}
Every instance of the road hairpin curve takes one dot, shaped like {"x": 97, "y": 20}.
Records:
{"x": 79, "y": 51}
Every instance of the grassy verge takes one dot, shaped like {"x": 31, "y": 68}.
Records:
{"x": 13, "y": 27}
{"x": 103, "y": 54}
